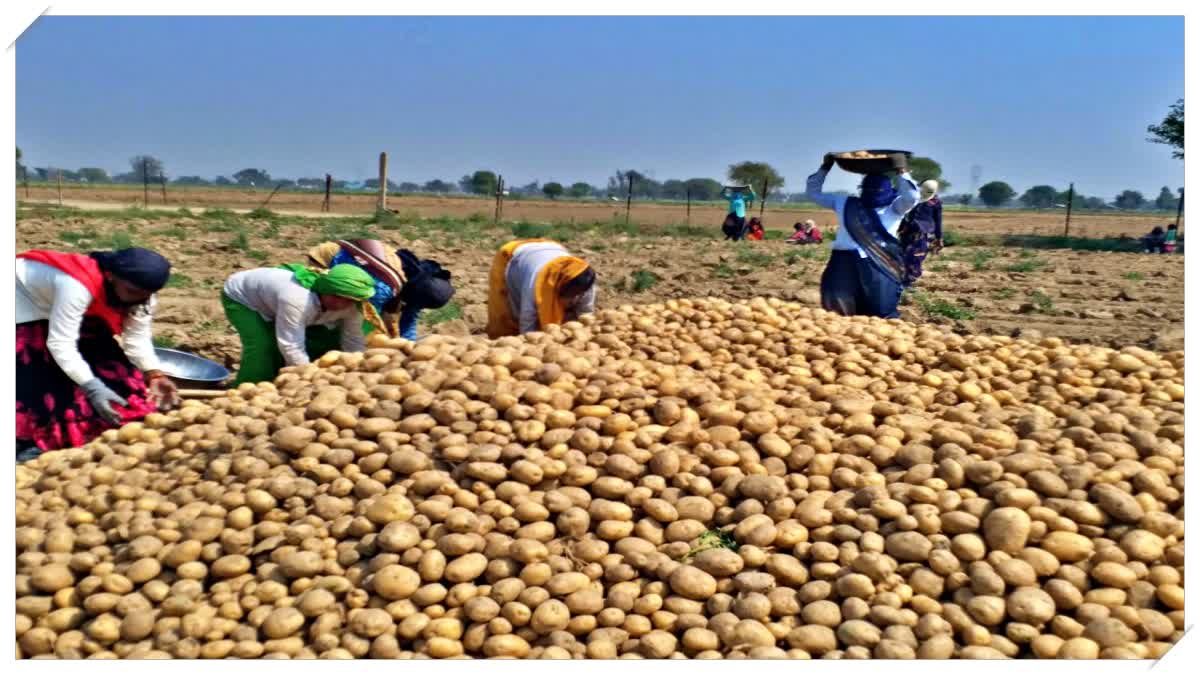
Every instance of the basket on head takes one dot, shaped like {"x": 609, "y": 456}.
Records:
{"x": 878, "y": 161}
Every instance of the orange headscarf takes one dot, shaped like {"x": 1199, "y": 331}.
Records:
{"x": 550, "y": 281}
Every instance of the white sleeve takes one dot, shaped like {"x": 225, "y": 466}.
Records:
{"x": 352, "y": 333}
{"x": 291, "y": 325}
{"x": 527, "y": 315}
{"x": 71, "y": 301}
{"x": 137, "y": 337}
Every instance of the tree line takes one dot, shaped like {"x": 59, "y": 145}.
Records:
{"x": 639, "y": 184}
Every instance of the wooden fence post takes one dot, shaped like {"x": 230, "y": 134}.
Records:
{"x": 264, "y": 204}
{"x": 499, "y": 198}
{"x": 60, "y": 187}
{"x": 382, "y": 182}
{"x": 1179, "y": 211}
{"x": 328, "y": 187}
{"x": 1070, "y": 199}
{"x": 162, "y": 179}
{"x": 762, "y": 206}
{"x": 25, "y": 179}
{"x": 689, "y": 207}
{"x": 145, "y": 183}
{"x": 629, "y": 199}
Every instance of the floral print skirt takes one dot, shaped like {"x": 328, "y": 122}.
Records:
{"x": 52, "y": 411}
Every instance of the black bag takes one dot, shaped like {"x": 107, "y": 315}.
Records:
{"x": 427, "y": 284}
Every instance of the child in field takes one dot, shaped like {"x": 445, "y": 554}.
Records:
{"x": 805, "y": 233}
{"x": 755, "y": 230}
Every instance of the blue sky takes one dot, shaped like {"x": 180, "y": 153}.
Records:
{"x": 1029, "y": 99}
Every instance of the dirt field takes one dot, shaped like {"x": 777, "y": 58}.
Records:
{"x": 1113, "y": 299}
{"x": 967, "y": 222}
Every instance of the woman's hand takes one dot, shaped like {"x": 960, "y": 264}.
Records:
{"x": 161, "y": 391}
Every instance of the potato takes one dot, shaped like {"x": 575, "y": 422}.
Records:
{"x": 693, "y": 583}
{"x": 696, "y": 478}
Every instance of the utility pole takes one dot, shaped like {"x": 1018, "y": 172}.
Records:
{"x": 328, "y": 187}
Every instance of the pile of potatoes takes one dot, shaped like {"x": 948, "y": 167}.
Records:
{"x": 693, "y": 479}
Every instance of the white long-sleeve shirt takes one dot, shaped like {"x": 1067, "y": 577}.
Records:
{"x": 890, "y": 215}
{"x": 276, "y": 296}
{"x": 45, "y": 292}
{"x": 521, "y": 279}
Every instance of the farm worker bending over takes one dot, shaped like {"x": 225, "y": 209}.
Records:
{"x": 535, "y": 283}
{"x": 866, "y": 270}
{"x": 737, "y": 203}
{"x": 73, "y": 379}
{"x": 289, "y": 314}
{"x": 805, "y": 233}
{"x": 404, "y": 284}
{"x": 921, "y": 232}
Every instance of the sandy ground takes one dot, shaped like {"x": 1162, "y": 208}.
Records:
{"x": 1113, "y": 299}
{"x": 997, "y": 222}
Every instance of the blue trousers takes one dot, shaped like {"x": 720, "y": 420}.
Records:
{"x": 852, "y": 286}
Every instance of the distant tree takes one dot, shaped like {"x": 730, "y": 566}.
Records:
{"x": 223, "y": 180}
{"x": 438, "y": 185}
{"x": 754, "y": 174}
{"x": 42, "y": 173}
{"x": 1166, "y": 200}
{"x": 479, "y": 183}
{"x": 94, "y": 175}
{"x": 531, "y": 188}
{"x": 287, "y": 183}
{"x": 147, "y": 168}
{"x": 552, "y": 190}
{"x": 674, "y": 189}
{"x": 373, "y": 184}
{"x": 965, "y": 199}
{"x": 339, "y": 184}
{"x": 1093, "y": 203}
{"x": 1129, "y": 200}
{"x": 703, "y": 189}
{"x": 996, "y": 193}
{"x": 1170, "y": 132}
{"x": 20, "y": 167}
{"x": 924, "y": 168}
{"x": 1039, "y": 197}
{"x": 579, "y": 190}
{"x": 618, "y": 183}
{"x": 252, "y": 177}
{"x": 409, "y": 186}
{"x": 190, "y": 180}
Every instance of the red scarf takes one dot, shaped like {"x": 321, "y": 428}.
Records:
{"x": 86, "y": 271}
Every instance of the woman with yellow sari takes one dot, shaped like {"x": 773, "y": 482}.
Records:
{"x": 535, "y": 283}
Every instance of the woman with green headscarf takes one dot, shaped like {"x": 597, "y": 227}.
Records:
{"x": 288, "y": 315}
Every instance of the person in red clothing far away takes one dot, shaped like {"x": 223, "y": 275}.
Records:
{"x": 754, "y": 231}
{"x": 805, "y": 233}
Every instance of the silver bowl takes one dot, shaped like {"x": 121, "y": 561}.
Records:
{"x": 191, "y": 371}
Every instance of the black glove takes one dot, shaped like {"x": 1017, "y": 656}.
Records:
{"x": 899, "y": 161}
{"x": 102, "y": 399}
{"x": 827, "y": 161}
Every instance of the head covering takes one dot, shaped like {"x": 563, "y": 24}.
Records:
{"x": 877, "y": 190}
{"x": 345, "y": 281}
{"x": 929, "y": 190}
{"x": 810, "y": 223}
{"x": 547, "y": 290}
{"x": 143, "y": 268}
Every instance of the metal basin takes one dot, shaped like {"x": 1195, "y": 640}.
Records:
{"x": 189, "y": 370}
